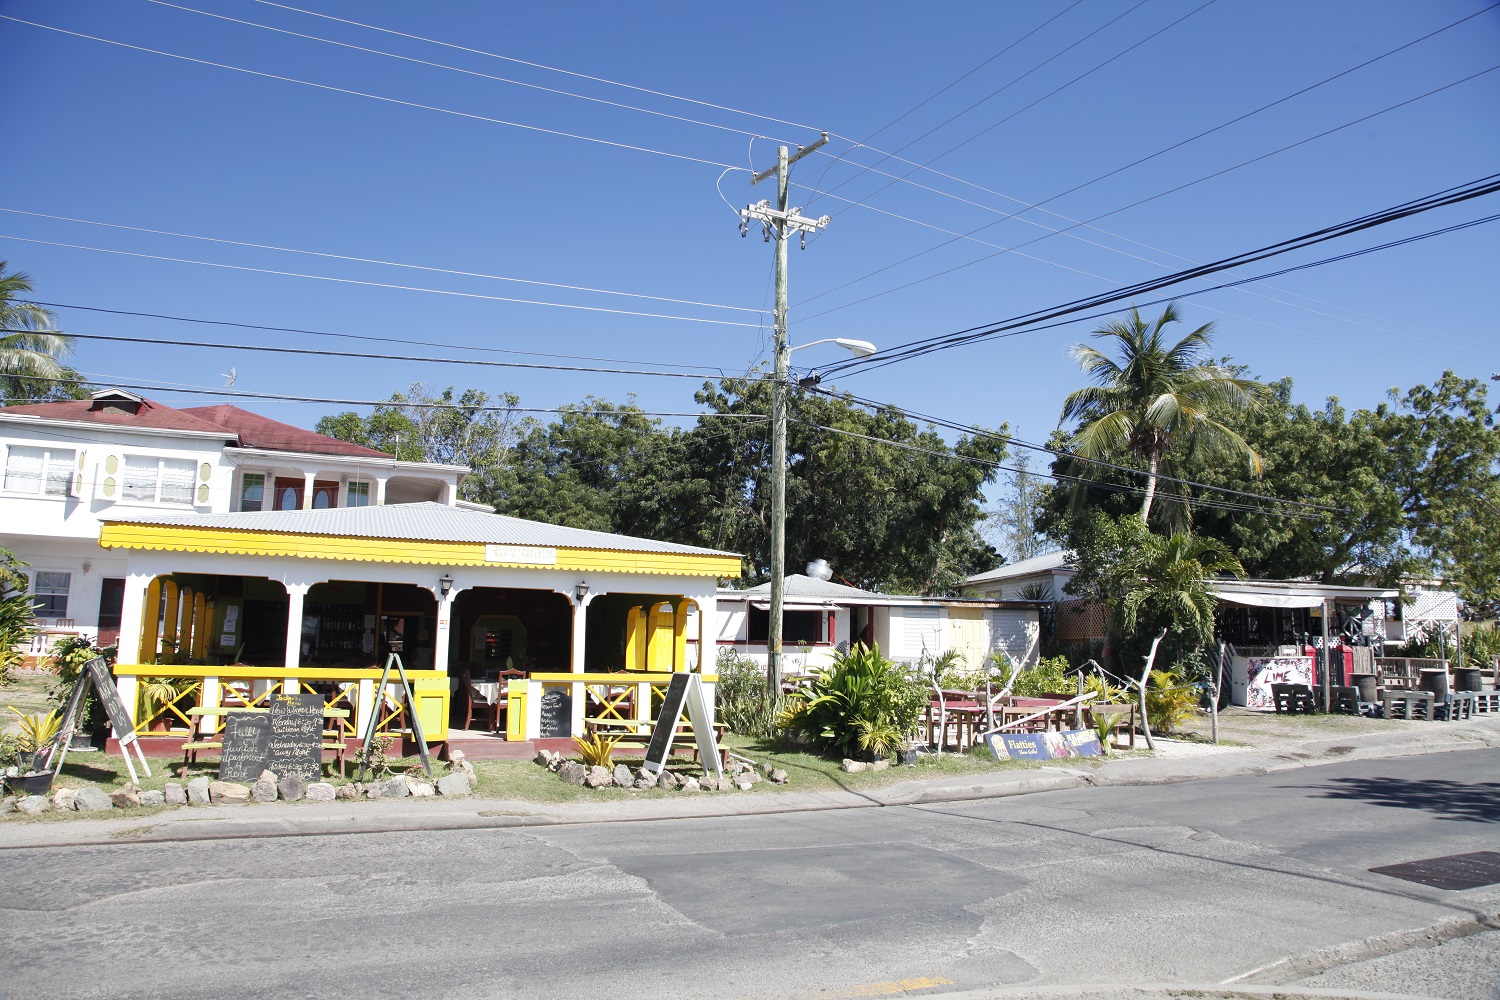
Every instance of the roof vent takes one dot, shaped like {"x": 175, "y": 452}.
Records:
{"x": 116, "y": 401}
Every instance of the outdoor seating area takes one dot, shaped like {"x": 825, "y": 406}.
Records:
{"x": 958, "y": 721}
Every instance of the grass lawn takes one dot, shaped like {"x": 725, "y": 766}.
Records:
{"x": 28, "y": 693}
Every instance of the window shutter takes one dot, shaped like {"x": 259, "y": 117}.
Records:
{"x": 205, "y": 473}
{"x": 111, "y": 475}
{"x": 77, "y": 484}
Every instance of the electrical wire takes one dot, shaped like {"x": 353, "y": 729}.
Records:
{"x": 383, "y": 263}
{"x": 363, "y": 336}
{"x": 407, "y": 358}
{"x": 374, "y": 97}
{"x": 383, "y": 284}
{"x": 454, "y": 69}
{"x": 1450, "y": 196}
{"x": 1135, "y": 204}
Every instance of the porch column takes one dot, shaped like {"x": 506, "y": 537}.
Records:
{"x": 295, "y": 593}
{"x": 708, "y": 648}
{"x": 575, "y": 656}
{"x": 440, "y": 636}
{"x": 379, "y": 500}
{"x": 132, "y": 620}
{"x": 307, "y": 489}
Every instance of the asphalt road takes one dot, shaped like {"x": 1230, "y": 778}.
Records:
{"x": 1193, "y": 882}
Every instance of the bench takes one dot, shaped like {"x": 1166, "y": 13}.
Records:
{"x": 1291, "y": 699}
{"x": 1401, "y": 704}
{"x": 333, "y": 740}
{"x": 1124, "y": 713}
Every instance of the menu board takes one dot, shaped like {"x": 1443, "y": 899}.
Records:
{"x": 104, "y": 683}
{"x": 557, "y": 713}
{"x": 296, "y": 737}
{"x": 247, "y": 746}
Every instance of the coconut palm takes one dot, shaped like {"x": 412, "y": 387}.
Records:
{"x": 30, "y": 345}
{"x": 1157, "y": 394}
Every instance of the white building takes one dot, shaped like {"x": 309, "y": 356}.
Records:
{"x": 821, "y": 618}
{"x": 69, "y": 465}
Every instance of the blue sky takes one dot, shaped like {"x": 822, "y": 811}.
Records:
{"x": 100, "y": 132}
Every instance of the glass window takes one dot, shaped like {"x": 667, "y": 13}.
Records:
{"x": 51, "y": 592}
{"x": 796, "y": 626}
{"x": 322, "y": 498}
{"x": 39, "y": 470}
{"x": 252, "y": 491}
{"x": 288, "y": 500}
{"x": 357, "y": 495}
{"x": 158, "y": 480}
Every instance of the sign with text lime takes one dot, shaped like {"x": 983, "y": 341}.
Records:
{"x": 297, "y": 736}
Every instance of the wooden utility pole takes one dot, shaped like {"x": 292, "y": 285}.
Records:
{"x": 779, "y": 223}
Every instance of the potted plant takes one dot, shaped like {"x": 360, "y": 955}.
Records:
{"x": 34, "y": 775}
{"x": 159, "y": 693}
{"x": 906, "y": 752}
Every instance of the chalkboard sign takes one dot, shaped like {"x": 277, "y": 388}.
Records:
{"x": 296, "y": 735}
{"x": 119, "y": 718}
{"x": 666, "y": 721}
{"x": 557, "y": 713}
{"x": 247, "y": 746}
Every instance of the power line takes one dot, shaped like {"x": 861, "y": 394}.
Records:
{"x": 1451, "y": 196}
{"x": 408, "y": 358}
{"x": 453, "y": 69}
{"x": 1214, "y": 288}
{"x": 1047, "y": 96}
{"x": 383, "y": 284}
{"x": 542, "y": 66}
{"x": 1136, "y": 204}
{"x": 366, "y": 94}
{"x": 361, "y": 336}
{"x": 383, "y": 263}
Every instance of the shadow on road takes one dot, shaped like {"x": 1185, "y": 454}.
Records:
{"x": 1455, "y": 800}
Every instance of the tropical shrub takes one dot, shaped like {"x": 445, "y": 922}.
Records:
{"x": 596, "y": 749}
{"x": 742, "y": 703}
{"x": 860, "y": 702}
{"x": 37, "y": 730}
{"x": 1170, "y": 701}
{"x": 17, "y": 626}
{"x": 1049, "y": 676}
{"x": 67, "y": 658}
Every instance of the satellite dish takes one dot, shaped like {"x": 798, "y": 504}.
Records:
{"x": 819, "y": 569}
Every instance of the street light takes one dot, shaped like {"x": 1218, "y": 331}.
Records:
{"x": 860, "y": 349}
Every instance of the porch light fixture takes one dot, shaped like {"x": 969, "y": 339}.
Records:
{"x": 445, "y": 584}
{"x": 581, "y": 591}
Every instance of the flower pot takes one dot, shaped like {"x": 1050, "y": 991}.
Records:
{"x": 30, "y": 784}
{"x": 909, "y": 757}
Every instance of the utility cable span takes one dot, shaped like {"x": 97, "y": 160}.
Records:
{"x": 382, "y": 263}
{"x": 1167, "y": 149}
{"x": 374, "y": 97}
{"x": 405, "y": 358}
{"x": 369, "y": 338}
{"x": 1212, "y": 288}
{"x": 1057, "y": 477}
{"x": 383, "y": 284}
{"x": 390, "y": 403}
{"x": 1450, "y": 196}
{"x": 455, "y": 69}
{"x": 970, "y": 235}
{"x": 974, "y": 431}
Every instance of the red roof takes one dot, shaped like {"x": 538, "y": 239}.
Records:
{"x": 237, "y": 426}
{"x": 256, "y": 431}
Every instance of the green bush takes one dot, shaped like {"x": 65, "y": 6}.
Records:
{"x": 1480, "y": 643}
{"x": 66, "y": 660}
{"x": 1049, "y": 676}
{"x": 17, "y": 625}
{"x": 1170, "y": 701}
{"x": 860, "y": 703}
{"x": 742, "y": 703}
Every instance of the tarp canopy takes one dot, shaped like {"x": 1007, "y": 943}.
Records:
{"x": 1261, "y": 599}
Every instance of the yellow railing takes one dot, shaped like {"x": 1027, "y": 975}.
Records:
{"x": 632, "y": 697}
{"x": 254, "y": 687}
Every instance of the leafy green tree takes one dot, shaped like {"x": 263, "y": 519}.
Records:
{"x": 423, "y": 426}
{"x": 31, "y": 346}
{"x": 1157, "y": 395}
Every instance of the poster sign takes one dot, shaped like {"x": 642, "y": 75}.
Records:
{"x": 1263, "y": 671}
{"x": 247, "y": 746}
{"x": 1044, "y": 746}
{"x": 296, "y": 736}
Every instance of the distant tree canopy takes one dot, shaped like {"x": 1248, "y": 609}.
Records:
{"x": 888, "y": 503}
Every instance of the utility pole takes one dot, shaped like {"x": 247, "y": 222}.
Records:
{"x": 779, "y": 223}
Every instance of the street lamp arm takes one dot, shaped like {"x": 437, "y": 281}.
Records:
{"x": 858, "y": 348}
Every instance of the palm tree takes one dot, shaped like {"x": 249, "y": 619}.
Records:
{"x": 1156, "y": 395}
{"x": 29, "y": 342}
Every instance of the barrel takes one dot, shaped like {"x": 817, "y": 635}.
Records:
{"x": 1468, "y": 679}
{"x": 1436, "y": 681}
{"x": 1365, "y": 685}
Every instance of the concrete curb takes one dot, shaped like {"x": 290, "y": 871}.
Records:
{"x": 403, "y": 816}
{"x": 1169, "y": 991}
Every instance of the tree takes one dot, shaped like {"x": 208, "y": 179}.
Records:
{"x": 1014, "y": 518}
{"x": 422, "y": 426}
{"x": 30, "y": 346}
{"x": 1157, "y": 395}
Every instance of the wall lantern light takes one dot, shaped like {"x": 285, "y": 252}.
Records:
{"x": 581, "y": 591}
{"x": 445, "y": 584}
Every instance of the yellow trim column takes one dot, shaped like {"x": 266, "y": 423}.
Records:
{"x": 679, "y": 635}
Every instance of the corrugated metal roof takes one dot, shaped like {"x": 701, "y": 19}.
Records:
{"x": 1036, "y": 564}
{"x": 417, "y": 522}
